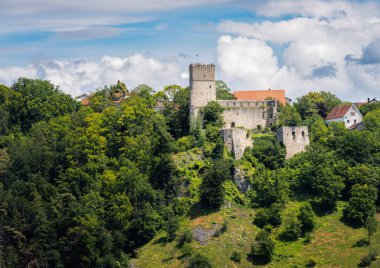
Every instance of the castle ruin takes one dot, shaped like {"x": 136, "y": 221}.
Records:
{"x": 295, "y": 139}
{"x": 239, "y": 115}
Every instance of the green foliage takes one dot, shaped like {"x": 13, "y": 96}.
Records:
{"x": 372, "y": 119}
{"x": 316, "y": 103}
{"x": 364, "y": 109}
{"x": 269, "y": 215}
{"x": 368, "y": 259}
{"x": 289, "y": 116}
{"x": 212, "y": 114}
{"x": 223, "y": 92}
{"x": 199, "y": 261}
{"x": 235, "y": 256}
{"x": 262, "y": 247}
{"x": 361, "y": 205}
{"x": 306, "y": 217}
{"x": 212, "y": 190}
{"x": 291, "y": 229}
{"x": 269, "y": 152}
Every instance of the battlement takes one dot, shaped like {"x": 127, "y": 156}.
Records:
{"x": 246, "y": 103}
{"x": 202, "y": 72}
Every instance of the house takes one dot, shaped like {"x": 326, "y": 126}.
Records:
{"x": 261, "y": 95}
{"x": 346, "y": 113}
{"x": 84, "y": 99}
{"x": 358, "y": 104}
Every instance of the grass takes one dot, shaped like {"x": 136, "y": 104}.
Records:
{"x": 259, "y": 135}
{"x": 331, "y": 244}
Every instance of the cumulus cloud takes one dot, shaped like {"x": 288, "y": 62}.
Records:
{"x": 75, "y": 77}
{"x": 324, "y": 46}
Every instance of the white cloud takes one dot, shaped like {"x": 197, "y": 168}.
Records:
{"x": 75, "y": 77}
{"x": 321, "y": 50}
{"x": 74, "y": 15}
{"x": 246, "y": 60}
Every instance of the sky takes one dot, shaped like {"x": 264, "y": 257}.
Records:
{"x": 299, "y": 46}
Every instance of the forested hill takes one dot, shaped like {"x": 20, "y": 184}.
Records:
{"x": 90, "y": 186}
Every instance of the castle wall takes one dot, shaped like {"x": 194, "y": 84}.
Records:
{"x": 248, "y": 114}
{"x": 236, "y": 141}
{"x": 295, "y": 139}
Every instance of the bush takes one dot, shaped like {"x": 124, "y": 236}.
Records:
{"x": 310, "y": 263}
{"x": 361, "y": 205}
{"x": 263, "y": 247}
{"x": 367, "y": 260}
{"x": 361, "y": 243}
{"x": 199, "y": 261}
{"x": 185, "y": 237}
{"x": 187, "y": 249}
{"x": 308, "y": 238}
{"x": 269, "y": 215}
{"x": 292, "y": 230}
{"x": 307, "y": 218}
{"x": 235, "y": 256}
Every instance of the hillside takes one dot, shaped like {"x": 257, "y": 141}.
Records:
{"x": 331, "y": 245}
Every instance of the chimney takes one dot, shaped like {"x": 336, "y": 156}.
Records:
{"x": 368, "y": 100}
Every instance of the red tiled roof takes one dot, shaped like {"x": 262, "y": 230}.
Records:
{"x": 261, "y": 95}
{"x": 338, "y": 111}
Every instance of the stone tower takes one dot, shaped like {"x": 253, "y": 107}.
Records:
{"x": 295, "y": 139}
{"x": 202, "y": 88}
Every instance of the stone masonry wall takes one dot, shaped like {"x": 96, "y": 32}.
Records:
{"x": 248, "y": 114}
{"x": 236, "y": 141}
{"x": 295, "y": 139}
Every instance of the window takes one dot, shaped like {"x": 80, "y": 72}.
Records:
{"x": 233, "y": 124}
{"x": 352, "y": 113}
{"x": 348, "y": 121}
{"x": 210, "y": 86}
{"x": 303, "y": 134}
{"x": 355, "y": 121}
{"x": 294, "y": 135}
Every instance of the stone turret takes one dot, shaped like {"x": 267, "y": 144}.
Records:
{"x": 295, "y": 139}
{"x": 202, "y": 87}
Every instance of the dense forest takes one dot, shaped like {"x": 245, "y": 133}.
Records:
{"x": 86, "y": 186}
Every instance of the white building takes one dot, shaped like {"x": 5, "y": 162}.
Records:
{"x": 346, "y": 113}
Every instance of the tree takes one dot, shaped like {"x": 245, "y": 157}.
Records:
{"x": 289, "y": 116}
{"x": 212, "y": 114}
{"x": 222, "y": 91}
{"x": 199, "y": 261}
{"x": 316, "y": 103}
{"x": 269, "y": 151}
{"x": 306, "y": 217}
{"x": 361, "y": 205}
{"x": 212, "y": 190}
{"x": 372, "y": 120}
{"x": 263, "y": 247}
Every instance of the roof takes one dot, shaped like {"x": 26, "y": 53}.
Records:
{"x": 83, "y": 96}
{"x": 357, "y": 126}
{"x": 339, "y": 111}
{"x": 261, "y": 95}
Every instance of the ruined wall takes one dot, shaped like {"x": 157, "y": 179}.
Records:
{"x": 236, "y": 140}
{"x": 248, "y": 114}
{"x": 295, "y": 139}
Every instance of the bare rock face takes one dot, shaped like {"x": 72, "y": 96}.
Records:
{"x": 240, "y": 181}
{"x": 203, "y": 235}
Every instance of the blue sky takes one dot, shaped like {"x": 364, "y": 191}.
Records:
{"x": 295, "y": 45}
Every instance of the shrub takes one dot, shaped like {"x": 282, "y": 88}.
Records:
{"x": 185, "y": 237}
{"x": 310, "y": 263}
{"x": 307, "y": 218}
{"x": 292, "y": 230}
{"x": 263, "y": 247}
{"x": 269, "y": 215}
{"x": 235, "y": 256}
{"x": 308, "y": 238}
{"x": 199, "y": 261}
{"x": 361, "y": 243}
{"x": 368, "y": 259}
{"x": 361, "y": 205}
{"x": 187, "y": 249}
